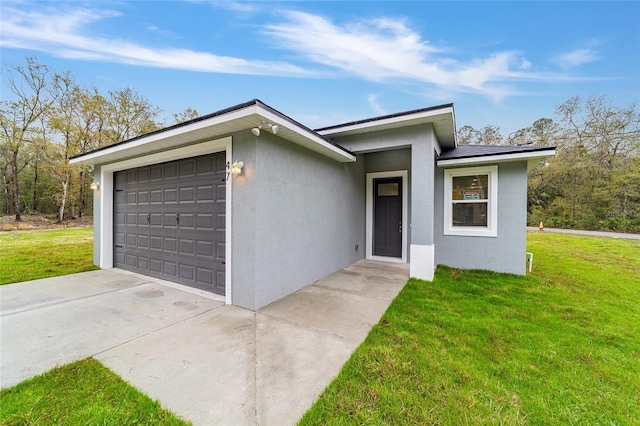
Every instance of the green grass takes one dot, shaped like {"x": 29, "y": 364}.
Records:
{"x": 558, "y": 347}
{"x": 82, "y": 393}
{"x": 30, "y": 255}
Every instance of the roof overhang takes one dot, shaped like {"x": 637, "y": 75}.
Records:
{"x": 442, "y": 117}
{"x": 223, "y": 123}
{"x": 533, "y": 158}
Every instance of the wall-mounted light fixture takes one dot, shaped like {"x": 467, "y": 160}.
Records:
{"x": 273, "y": 128}
{"x": 236, "y": 167}
{"x": 95, "y": 186}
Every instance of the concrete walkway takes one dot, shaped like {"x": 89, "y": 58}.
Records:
{"x": 590, "y": 233}
{"x": 208, "y": 362}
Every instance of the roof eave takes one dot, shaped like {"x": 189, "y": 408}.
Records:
{"x": 442, "y": 117}
{"x": 215, "y": 126}
{"x": 531, "y": 157}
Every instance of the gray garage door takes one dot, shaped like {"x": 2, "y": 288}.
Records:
{"x": 169, "y": 221}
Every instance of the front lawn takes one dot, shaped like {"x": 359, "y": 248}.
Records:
{"x": 81, "y": 393}
{"x": 30, "y": 255}
{"x": 559, "y": 347}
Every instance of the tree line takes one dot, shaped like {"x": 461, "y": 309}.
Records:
{"x": 593, "y": 181}
{"x": 49, "y": 118}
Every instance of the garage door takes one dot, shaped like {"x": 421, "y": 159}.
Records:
{"x": 169, "y": 221}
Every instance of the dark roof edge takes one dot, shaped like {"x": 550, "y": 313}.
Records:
{"x": 514, "y": 150}
{"x": 384, "y": 117}
{"x": 176, "y": 126}
{"x": 297, "y": 123}
{"x": 224, "y": 111}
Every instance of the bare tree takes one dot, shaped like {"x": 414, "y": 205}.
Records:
{"x": 30, "y": 86}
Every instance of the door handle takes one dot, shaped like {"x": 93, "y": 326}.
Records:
{"x": 177, "y": 218}
{"x": 400, "y": 227}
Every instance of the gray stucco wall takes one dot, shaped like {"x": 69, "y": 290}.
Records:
{"x": 96, "y": 219}
{"x": 297, "y": 216}
{"x": 385, "y": 152}
{"x": 504, "y": 253}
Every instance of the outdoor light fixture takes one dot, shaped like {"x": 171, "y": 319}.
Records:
{"x": 273, "y": 128}
{"x": 236, "y": 167}
{"x": 95, "y": 186}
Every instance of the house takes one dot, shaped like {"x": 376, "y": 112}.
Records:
{"x": 252, "y": 205}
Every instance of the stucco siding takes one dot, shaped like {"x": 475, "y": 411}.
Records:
{"x": 402, "y": 137}
{"x": 97, "y": 240}
{"x": 243, "y": 223}
{"x": 304, "y": 214}
{"x": 504, "y": 253}
{"x": 419, "y": 142}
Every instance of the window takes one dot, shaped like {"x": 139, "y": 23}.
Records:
{"x": 471, "y": 201}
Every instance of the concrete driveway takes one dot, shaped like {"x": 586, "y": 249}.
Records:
{"x": 207, "y": 362}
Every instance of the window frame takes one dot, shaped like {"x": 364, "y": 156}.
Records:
{"x": 491, "y": 230}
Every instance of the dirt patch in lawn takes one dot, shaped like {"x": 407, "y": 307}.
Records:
{"x": 34, "y": 222}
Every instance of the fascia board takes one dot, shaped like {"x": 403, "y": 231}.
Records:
{"x": 315, "y": 142}
{"x": 121, "y": 147}
{"x": 498, "y": 158}
{"x": 322, "y": 147}
{"x": 388, "y": 121}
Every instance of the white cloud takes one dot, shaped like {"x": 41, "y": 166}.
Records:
{"x": 388, "y": 49}
{"x": 576, "y": 57}
{"x": 385, "y": 50}
{"x": 62, "y": 33}
{"x": 372, "y": 99}
{"x": 525, "y": 64}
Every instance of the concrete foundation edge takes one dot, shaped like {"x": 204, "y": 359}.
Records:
{"x": 422, "y": 261}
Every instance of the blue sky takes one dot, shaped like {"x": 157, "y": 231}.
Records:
{"x": 324, "y": 63}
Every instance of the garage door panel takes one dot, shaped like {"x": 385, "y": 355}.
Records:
{"x": 170, "y": 269}
{"x": 187, "y": 272}
{"x": 171, "y": 245}
{"x": 143, "y": 175}
{"x": 170, "y": 223}
{"x": 132, "y": 260}
{"x": 170, "y": 171}
{"x": 155, "y": 266}
{"x": 187, "y": 194}
{"x": 205, "y": 193}
{"x": 170, "y": 196}
{"x": 186, "y": 220}
{"x": 221, "y": 193}
{"x": 221, "y": 219}
{"x": 143, "y": 241}
{"x": 155, "y": 196}
{"x": 186, "y": 246}
{"x": 119, "y": 238}
{"x": 143, "y": 263}
{"x": 205, "y": 166}
{"x": 186, "y": 168}
{"x": 205, "y": 275}
{"x": 143, "y": 197}
{"x": 220, "y": 251}
{"x": 204, "y": 248}
{"x": 155, "y": 243}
